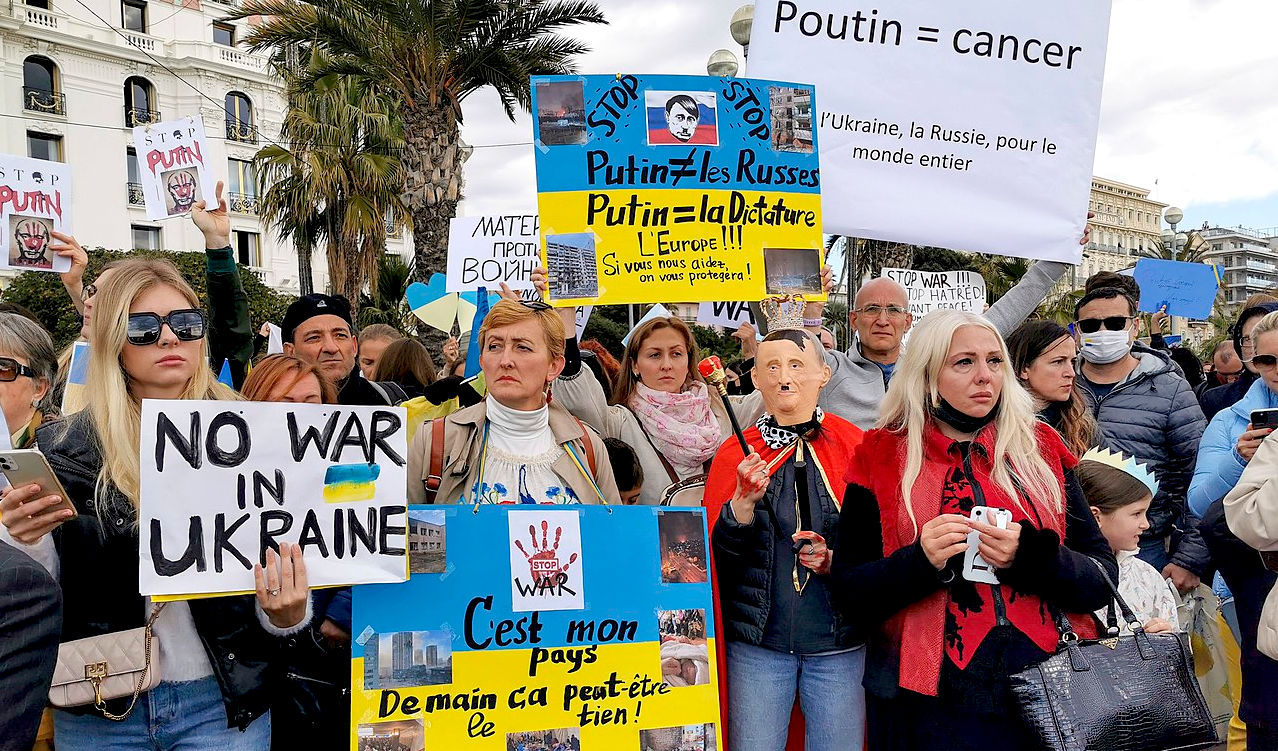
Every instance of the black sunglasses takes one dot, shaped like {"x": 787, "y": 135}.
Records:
{"x": 10, "y": 369}
{"x": 1112, "y": 323}
{"x": 1260, "y": 361}
{"x": 145, "y": 328}
{"x": 88, "y": 291}
{"x": 535, "y": 305}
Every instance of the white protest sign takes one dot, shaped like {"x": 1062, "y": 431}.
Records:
{"x": 962, "y": 125}
{"x": 940, "y": 290}
{"x": 35, "y": 202}
{"x": 546, "y": 561}
{"x": 484, "y": 251}
{"x": 583, "y": 317}
{"x": 274, "y": 339}
{"x": 730, "y": 315}
{"x": 222, "y": 481}
{"x": 173, "y": 164}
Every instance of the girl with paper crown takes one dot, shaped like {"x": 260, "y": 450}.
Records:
{"x": 956, "y": 432}
{"x": 207, "y": 659}
{"x": 1119, "y": 492}
{"x": 660, "y": 404}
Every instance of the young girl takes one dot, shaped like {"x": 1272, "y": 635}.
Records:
{"x": 1119, "y": 492}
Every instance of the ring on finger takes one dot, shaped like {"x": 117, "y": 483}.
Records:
{"x": 273, "y": 592}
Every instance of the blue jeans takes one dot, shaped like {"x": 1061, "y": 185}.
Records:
{"x": 187, "y": 716}
{"x": 1154, "y": 552}
{"x": 761, "y": 688}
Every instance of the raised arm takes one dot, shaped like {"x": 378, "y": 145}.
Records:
{"x": 230, "y": 332}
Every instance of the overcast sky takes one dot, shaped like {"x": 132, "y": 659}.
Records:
{"x": 1191, "y": 101}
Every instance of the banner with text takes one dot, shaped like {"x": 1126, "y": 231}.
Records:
{"x": 730, "y": 315}
{"x": 940, "y": 290}
{"x": 484, "y": 251}
{"x": 961, "y": 125}
{"x": 658, "y": 188}
{"x": 35, "y": 202}
{"x": 330, "y": 479}
{"x": 599, "y": 633}
{"x": 172, "y": 165}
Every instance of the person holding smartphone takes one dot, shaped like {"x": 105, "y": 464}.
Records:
{"x": 214, "y": 655}
{"x": 28, "y": 367}
{"x": 958, "y": 432}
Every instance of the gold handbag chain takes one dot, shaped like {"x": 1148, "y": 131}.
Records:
{"x": 96, "y": 672}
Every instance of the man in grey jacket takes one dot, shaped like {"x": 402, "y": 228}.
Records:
{"x": 881, "y": 317}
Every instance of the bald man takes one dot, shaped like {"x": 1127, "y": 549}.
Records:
{"x": 880, "y": 316}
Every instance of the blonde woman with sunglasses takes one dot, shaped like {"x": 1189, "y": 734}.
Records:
{"x": 214, "y": 655}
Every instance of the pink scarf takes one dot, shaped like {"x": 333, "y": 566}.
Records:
{"x": 681, "y": 426}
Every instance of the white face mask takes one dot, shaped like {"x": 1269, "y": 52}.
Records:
{"x": 1104, "y": 347}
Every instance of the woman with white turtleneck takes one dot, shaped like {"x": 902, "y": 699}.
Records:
{"x": 514, "y": 447}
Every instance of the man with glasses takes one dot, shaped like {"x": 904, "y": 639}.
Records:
{"x": 1222, "y": 397}
{"x": 1146, "y": 409}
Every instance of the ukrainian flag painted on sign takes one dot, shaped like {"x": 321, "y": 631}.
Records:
{"x": 348, "y": 483}
{"x": 547, "y": 625}
{"x": 657, "y": 188}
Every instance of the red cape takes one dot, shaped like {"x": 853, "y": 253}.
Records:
{"x": 833, "y": 448}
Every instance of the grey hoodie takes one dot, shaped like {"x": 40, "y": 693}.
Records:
{"x": 857, "y": 385}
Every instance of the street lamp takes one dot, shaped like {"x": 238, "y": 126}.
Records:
{"x": 740, "y": 26}
{"x": 722, "y": 63}
{"x": 1173, "y": 216}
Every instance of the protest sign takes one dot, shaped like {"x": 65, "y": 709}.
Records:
{"x": 962, "y": 125}
{"x": 74, "y": 395}
{"x": 213, "y": 499}
{"x": 940, "y": 290}
{"x": 625, "y": 648}
{"x": 172, "y": 163}
{"x": 657, "y": 188}
{"x": 583, "y": 317}
{"x": 484, "y": 251}
{"x": 730, "y": 315}
{"x": 35, "y": 202}
{"x": 1186, "y": 289}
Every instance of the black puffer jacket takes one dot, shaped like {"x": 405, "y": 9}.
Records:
{"x": 1154, "y": 416}
{"x": 99, "y": 562}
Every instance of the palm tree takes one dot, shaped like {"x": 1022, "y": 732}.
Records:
{"x": 338, "y": 179}
{"x": 428, "y": 56}
{"x": 1193, "y": 252}
{"x": 387, "y": 304}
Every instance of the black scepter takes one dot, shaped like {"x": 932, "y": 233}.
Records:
{"x": 711, "y": 369}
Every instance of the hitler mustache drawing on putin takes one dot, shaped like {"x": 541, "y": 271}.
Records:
{"x": 172, "y": 166}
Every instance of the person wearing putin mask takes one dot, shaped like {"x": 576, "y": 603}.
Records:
{"x": 774, "y": 517}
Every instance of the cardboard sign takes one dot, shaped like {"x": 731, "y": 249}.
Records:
{"x": 940, "y": 290}
{"x": 627, "y": 651}
{"x": 173, "y": 164}
{"x": 658, "y": 188}
{"x": 959, "y": 125}
{"x": 729, "y": 315}
{"x": 223, "y": 481}
{"x": 1186, "y": 289}
{"x": 583, "y": 317}
{"x": 484, "y": 251}
{"x": 35, "y": 202}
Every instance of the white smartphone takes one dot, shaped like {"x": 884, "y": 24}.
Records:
{"x": 975, "y": 569}
{"x": 29, "y": 467}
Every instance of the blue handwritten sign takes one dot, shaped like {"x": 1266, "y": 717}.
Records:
{"x": 1185, "y": 289}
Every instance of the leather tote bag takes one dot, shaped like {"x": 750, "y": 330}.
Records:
{"x": 1121, "y": 693}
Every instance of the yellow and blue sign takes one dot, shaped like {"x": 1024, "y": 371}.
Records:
{"x": 450, "y": 660}
{"x": 658, "y": 188}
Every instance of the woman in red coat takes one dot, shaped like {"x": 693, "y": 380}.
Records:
{"x": 957, "y": 432}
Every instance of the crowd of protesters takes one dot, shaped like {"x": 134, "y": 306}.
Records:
{"x": 838, "y": 539}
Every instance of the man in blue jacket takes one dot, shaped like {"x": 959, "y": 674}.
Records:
{"x": 1147, "y": 410}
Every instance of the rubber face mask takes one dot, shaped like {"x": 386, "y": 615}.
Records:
{"x": 1104, "y": 347}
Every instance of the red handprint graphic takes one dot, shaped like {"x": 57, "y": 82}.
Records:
{"x": 543, "y": 563}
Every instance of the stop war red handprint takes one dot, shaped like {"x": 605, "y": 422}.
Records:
{"x": 543, "y": 564}
{"x": 549, "y": 543}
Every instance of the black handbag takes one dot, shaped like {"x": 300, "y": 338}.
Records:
{"x": 1134, "y": 692}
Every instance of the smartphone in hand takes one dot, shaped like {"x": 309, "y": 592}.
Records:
{"x": 23, "y": 467}
{"x": 975, "y": 569}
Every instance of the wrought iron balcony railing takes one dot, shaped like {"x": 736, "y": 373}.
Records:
{"x": 136, "y": 196}
{"x": 241, "y": 203}
{"x": 135, "y": 116}
{"x": 238, "y": 130}
{"x": 44, "y": 101}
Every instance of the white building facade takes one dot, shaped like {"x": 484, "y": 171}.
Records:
{"x": 75, "y": 85}
{"x": 1248, "y": 259}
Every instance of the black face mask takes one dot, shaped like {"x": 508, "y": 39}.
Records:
{"x": 963, "y": 423}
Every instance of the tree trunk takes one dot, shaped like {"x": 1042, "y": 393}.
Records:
{"x": 432, "y": 161}
{"x": 305, "y": 278}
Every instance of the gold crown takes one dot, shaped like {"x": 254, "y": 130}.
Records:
{"x": 783, "y": 313}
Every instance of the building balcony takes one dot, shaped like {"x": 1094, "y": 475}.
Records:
{"x": 136, "y": 196}
{"x": 390, "y": 227}
{"x": 29, "y": 15}
{"x": 219, "y": 53}
{"x": 242, "y": 203}
{"x": 135, "y": 116}
{"x": 43, "y": 101}
{"x": 138, "y": 40}
{"x": 238, "y": 130}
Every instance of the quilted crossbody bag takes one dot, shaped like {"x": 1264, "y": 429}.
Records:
{"x": 101, "y": 668}
{"x": 1122, "y": 693}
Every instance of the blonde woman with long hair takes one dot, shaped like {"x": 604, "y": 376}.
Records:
{"x": 214, "y": 655}
{"x": 957, "y": 432}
